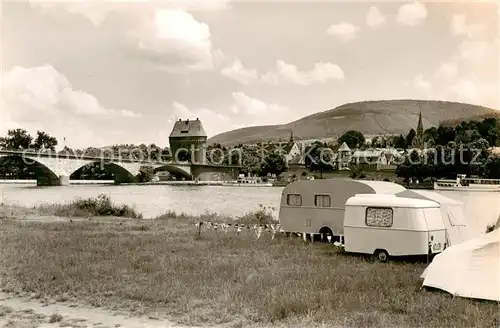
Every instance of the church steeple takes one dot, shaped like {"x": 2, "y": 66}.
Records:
{"x": 418, "y": 141}
{"x": 291, "y": 141}
{"x": 420, "y": 126}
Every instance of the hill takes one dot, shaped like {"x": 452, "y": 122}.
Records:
{"x": 369, "y": 117}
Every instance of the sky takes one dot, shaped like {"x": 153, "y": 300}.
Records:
{"x": 117, "y": 72}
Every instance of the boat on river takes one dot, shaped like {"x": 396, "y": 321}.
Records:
{"x": 248, "y": 182}
{"x": 462, "y": 183}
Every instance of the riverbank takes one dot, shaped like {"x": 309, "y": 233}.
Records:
{"x": 161, "y": 268}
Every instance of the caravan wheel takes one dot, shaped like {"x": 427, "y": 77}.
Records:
{"x": 381, "y": 255}
{"x": 325, "y": 231}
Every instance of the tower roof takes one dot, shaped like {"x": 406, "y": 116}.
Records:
{"x": 188, "y": 128}
{"x": 420, "y": 125}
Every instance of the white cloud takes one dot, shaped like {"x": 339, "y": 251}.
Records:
{"x": 374, "y": 18}
{"x": 175, "y": 41}
{"x": 42, "y": 98}
{"x": 163, "y": 33}
{"x": 254, "y": 106}
{"x": 254, "y": 111}
{"x": 285, "y": 73}
{"x": 238, "y": 72}
{"x": 344, "y": 31}
{"x": 211, "y": 120}
{"x": 422, "y": 84}
{"x": 465, "y": 90}
{"x": 96, "y": 12}
{"x": 412, "y": 14}
{"x": 475, "y": 50}
{"x": 447, "y": 71}
{"x": 459, "y": 26}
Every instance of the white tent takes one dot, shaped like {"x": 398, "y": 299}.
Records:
{"x": 452, "y": 212}
{"x": 470, "y": 269}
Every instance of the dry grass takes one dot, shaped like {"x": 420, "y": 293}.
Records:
{"x": 159, "y": 266}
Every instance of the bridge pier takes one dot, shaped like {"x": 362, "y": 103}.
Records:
{"x": 46, "y": 181}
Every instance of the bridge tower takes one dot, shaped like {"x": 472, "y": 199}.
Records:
{"x": 188, "y": 141}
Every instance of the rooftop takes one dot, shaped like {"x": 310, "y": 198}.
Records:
{"x": 188, "y": 128}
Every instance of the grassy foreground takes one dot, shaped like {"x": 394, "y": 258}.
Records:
{"x": 161, "y": 266}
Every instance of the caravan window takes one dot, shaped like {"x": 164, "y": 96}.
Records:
{"x": 294, "y": 199}
{"x": 322, "y": 200}
{"x": 379, "y": 217}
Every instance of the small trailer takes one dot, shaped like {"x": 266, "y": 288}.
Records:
{"x": 317, "y": 206}
{"x": 387, "y": 225}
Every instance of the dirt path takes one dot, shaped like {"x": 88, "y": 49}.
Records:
{"x": 28, "y": 313}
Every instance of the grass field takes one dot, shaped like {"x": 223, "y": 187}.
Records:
{"x": 162, "y": 267}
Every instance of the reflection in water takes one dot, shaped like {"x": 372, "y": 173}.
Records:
{"x": 481, "y": 208}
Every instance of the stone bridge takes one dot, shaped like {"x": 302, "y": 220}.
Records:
{"x": 53, "y": 169}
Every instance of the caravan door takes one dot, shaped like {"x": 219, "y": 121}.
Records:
{"x": 436, "y": 229}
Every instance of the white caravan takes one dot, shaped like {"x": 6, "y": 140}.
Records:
{"x": 317, "y": 206}
{"x": 387, "y": 225}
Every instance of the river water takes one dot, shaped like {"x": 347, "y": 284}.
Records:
{"x": 481, "y": 208}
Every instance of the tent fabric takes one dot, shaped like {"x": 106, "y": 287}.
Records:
{"x": 452, "y": 212}
{"x": 470, "y": 269}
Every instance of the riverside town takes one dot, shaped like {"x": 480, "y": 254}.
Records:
{"x": 200, "y": 164}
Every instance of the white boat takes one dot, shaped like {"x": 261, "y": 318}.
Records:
{"x": 462, "y": 183}
{"x": 248, "y": 182}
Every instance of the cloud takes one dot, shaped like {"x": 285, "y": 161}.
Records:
{"x": 96, "y": 12}
{"x": 447, "y": 71}
{"x": 459, "y": 26}
{"x": 211, "y": 120}
{"x": 343, "y": 31}
{"x": 419, "y": 82}
{"x": 412, "y": 14}
{"x": 242, "y": 111}
{"x": 254, "y": 106}
{"x": 42, "y": 98}
{"x": 164, "y": 34}
{"x": 374, "y": 18}
{"x": 174, "y": 41}
{"x": 465, "y": 90}
{"x": 284, "y": 73}
{"x": 476, "y": 50}
{"x": 238, "y": 72}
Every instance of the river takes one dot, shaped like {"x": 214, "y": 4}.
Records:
{"x": 481, "y": 208}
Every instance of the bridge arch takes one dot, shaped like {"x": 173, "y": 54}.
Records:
{"x": 175, "y": 170}
{"x": 120, "y": 174}
{"x": 45, "y": 175}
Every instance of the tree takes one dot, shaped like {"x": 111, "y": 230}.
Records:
{"x": 431, "y": 135}
{"x": 400, "y": 142}
{"x": 410, "y": 136}
{"x": 16, "y": 139}
{"x": 146, "y": 174}
{"x": 445, "y": 135}
{"x": 492, "y": 168}
{"x": 489, "y": 129}
{"x": 274, "y": 163}
{"x": 353, "y": 139}
{"x": 319, "y": 158}
{"x": 44, "y": 141}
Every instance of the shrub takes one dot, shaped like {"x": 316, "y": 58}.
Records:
{"x": 261, "y": 216}
{"x": 102, "y": 205}
{"x": 55, "y": 318}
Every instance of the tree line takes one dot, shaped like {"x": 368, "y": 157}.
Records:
{"x": 450, "y": 151}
